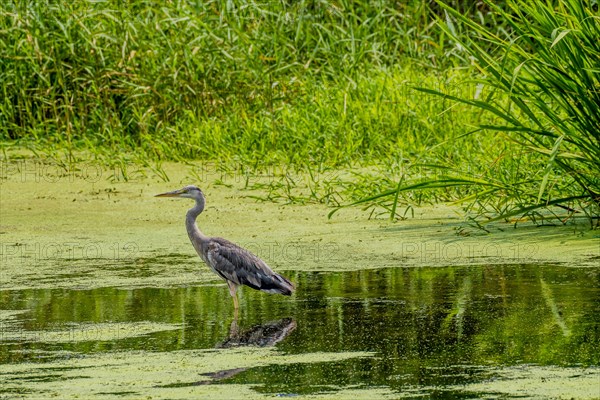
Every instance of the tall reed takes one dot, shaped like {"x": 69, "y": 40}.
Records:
{"x": 541, "y": 79}
{"x": 120, "y": 74}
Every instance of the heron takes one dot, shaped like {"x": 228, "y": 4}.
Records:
{"x": 236, "y": 265}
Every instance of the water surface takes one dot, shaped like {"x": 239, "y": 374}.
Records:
{"x": 101, "y": 295}
{"x": 449, "y": 332}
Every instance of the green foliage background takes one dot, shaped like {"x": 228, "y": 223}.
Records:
{"x": 310, "y": 85}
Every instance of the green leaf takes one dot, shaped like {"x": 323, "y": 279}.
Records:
{"x": 548, "y": 169}
{"x": 560, "y": 36}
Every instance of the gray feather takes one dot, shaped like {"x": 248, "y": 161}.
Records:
{"x": 238, "y": 265}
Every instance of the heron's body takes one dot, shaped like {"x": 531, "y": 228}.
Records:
{"x": 236, "y": 265}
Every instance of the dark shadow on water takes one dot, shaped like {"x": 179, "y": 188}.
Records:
{"x": 426, "y": 326}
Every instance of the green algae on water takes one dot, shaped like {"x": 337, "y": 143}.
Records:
{"x": 73, "y": 232}
{"x": 175, "y": 374}
{"x": 87, "y": 332}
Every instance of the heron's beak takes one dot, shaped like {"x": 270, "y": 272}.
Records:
{"x": 174, "y": 193}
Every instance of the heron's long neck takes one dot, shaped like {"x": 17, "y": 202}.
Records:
{"x": 196, "y": 237}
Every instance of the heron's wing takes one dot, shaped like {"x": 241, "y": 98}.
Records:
{"x": 241, "y": 267}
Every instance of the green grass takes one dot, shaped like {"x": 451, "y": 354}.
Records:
{"x": 124, "y": 73}
{"x": 317, "y": 89}
{"x": 548, "y": 69}
{"x": 134, "y": 76}
{"x": 542, "y": 83}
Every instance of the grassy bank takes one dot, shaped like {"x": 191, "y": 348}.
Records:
{"x": 308, "y": 86}
{"x": 124, "y": 74}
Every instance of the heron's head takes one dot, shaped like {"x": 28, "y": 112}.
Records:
{"x": 188, "y": 192}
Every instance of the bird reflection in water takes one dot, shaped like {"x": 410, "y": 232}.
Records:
{"x": 264, "y": 335}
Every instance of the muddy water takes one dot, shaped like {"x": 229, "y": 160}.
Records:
{"x": 102, "y": 296}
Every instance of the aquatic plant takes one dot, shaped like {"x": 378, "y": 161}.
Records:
{"x": 317, "y": 91}
{"x": 542, "y": 86}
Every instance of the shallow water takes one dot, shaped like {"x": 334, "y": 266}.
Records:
{"x": 101, "y": 295}
{"x": 439, "y": 332}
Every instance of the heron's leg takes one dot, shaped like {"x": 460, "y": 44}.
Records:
{"x": 233, "y": 293}
{"x": 234, "y": 329}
